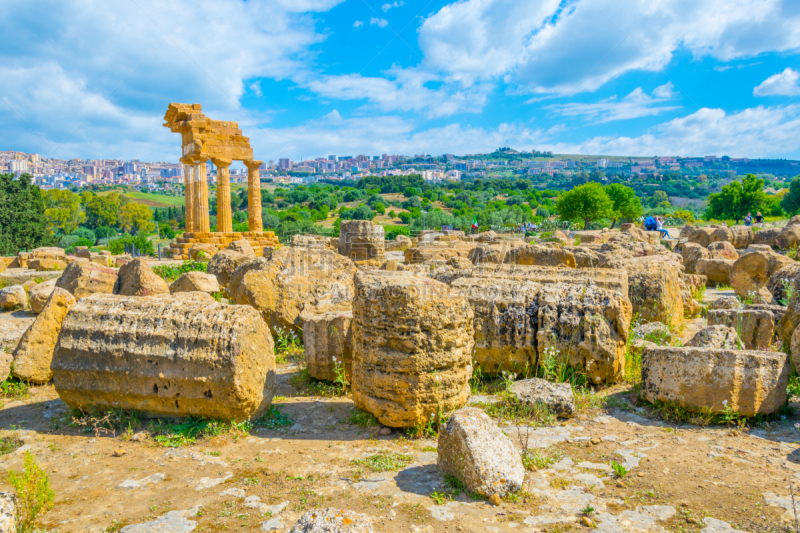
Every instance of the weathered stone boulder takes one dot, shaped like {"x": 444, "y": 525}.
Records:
{"x": 692, "y": 253}
{"x": 751, "y": 272}
{"x": 794, "y": 346}
{"x": 654, "y": 287}
{"x": 717, "y": 271}
{"x": 13, "y": 298}
{"x": 701, "y": 236}
{"x": 11, "y": 331}
{"x": 138, "y": 279}
{"x": 40, "y": 293}
{"x": 459, "y": 263}
{"x": 540, "y": 255}
{"x": 696, "y": 284}
{"x": 293, "y": 280}
{"x": 557, "y": 397}
{"x": 429, "y": 253}
{"x": 166, "y": 355}
{"x": 485, "y": 254}
{"x": 202, "y": 251}
{"x": 82, "y": 252}
{"x": 242, "y": 246}
{"x": 332, "y": 520}
{"x": 195, "y": 281}
{"x": 473, "y": 449}
{"x": 83, "y": 278}
{"x": 725, "y": 302}
{"x": 738, "y": 236}
{"x": 767, "y": 236}
{"x": 747, "y": 382}
{"x": 328, "y": 343}
{"x": 784, "y": 284}
{"x": 719, "y": 336}
{"x": 788, "y": 237}
{"x": 412, "y": 347}
{"x": 755, "y": 327}
{"x": 585, "y": 257}
{"x": 309, "y": 241}
{"x": 723, "y": 250}
{"x": 605, "y": 278}
{"x": 224, "y": 263}
{"x": 361, "y": 240}
{"x": 34, "y": 353}
{"x": 43, "y": 264}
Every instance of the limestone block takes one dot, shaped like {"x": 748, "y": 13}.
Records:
{"x": 701, "y": 236}
{"x": 195, "y": 281}
{"x": 723, "y": 250}
{"x": 292, "y": 280}
{"x": 425, "y": 254}
{"x": 748, "y": 382}
{"x": 784, "y": 284}
{"x": 40, "y": 293}
{"x": 719, "y": 336}
{"x": 767, "y": 236}
{"x": 487, "y": 254}
{"x": 137, "y": 278}
{"x": 558, "y": 397}
{"x": 34, "y": 353}
{"x": 541, "y": 255}
{"x": 202, "y": 252}
{"x": 361, "y": 240}
{"x": 224, "y": 263}
{"x": 473, "y": 449}
{"x": 328, "y": 340}
{"x": 738, "y": 236}
{"x": 242, "y": 246}
{"x": 459, "y": 263}
{"x": 755, "y": 327}
{"x": 13, "y": 298}
{"x": 717, "y": 271}
{"x": 174, "y": 355}
{"x": 83, "y": 278}
{"x": 43, "y": 264}
{"x": 412, "y": 347}
{"x": 585, "y": 257}
{"x": 751, "y": 272}
{"x": 788, "y": 237}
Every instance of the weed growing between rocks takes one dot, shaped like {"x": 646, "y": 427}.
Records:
{"x": 519, "y": 413}
{"x": 540, "y": 459}
{"x": 34, "y": 494}
{"x": 306, "y": 384}
{"x": 363, "y": 418}
{"x": 274, "y": 419}
{"x": 384, "y": 462}
{"x": 15, "y": 388}
{"x": 288, "y": 345}
{"x": 170, "y": 273}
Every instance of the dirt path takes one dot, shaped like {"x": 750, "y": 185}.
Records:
{"x": 679, "y": 479}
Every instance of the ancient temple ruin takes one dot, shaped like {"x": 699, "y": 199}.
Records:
{"x": 221, "y": 142}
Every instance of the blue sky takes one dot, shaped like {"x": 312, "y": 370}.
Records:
{"x": 307, "y": 78}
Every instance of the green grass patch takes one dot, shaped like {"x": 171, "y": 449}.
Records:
{"x": 307, "y": 385}
{"x": 13, "y": 387}
{"x": 384, "y": 462}
{"x": 170, "y": 273}
{"x": 274, "y": 419}
{"x": 520, "y": 413}
{"x": 9, "y": 443}
{"x": 540, "y": 459}
{"x": 362, "y": 418}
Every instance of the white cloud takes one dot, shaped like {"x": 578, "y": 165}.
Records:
{"x": 754, "y": 132}
{"x": 786, "y": 83}
{"x": 386, "y": 7}
{"x": 550, "y": 46}
{"x": 256, "y": 88}
{"x": 381, "y": 23}
{"x": 117, "y": 50}
{"x": 635, "y": 105}
{"x": 358, "y": 24}
{"x": 402, "y": 90}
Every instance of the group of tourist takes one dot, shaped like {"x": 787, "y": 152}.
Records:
{"x": 748, "y": 220}
{"x": 656, "y": 223}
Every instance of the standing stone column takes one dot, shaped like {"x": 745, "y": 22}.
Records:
{"x": 224, "y": 221}
{"x": 254, "y": 195}
{"x": 188, "y": 183}
{"x": 201, "y": 223}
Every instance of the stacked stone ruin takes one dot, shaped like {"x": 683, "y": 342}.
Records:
{"x": 221, "y": 142}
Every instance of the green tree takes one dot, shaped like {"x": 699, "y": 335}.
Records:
{"x": 379, "y": 207}
{"x": 63, "y": 210}
{"x": 101, "y": 210}
{"x": 23, "y": 224}
{"x": 791, "y": 200}
{"x": 657, "y": 198}
{"x": 135, "y": 218}
{"x": 737, "y": 199}
{"x": 586, "y": 202}
{"x": 626, "y": 203}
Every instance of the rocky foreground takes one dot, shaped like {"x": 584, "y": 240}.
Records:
{"x": 407, "y": 408}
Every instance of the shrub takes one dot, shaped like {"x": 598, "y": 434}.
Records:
{"x": 34, "y": 494}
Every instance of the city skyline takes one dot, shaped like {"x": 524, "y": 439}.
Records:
{"x": 313, "y": 77}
